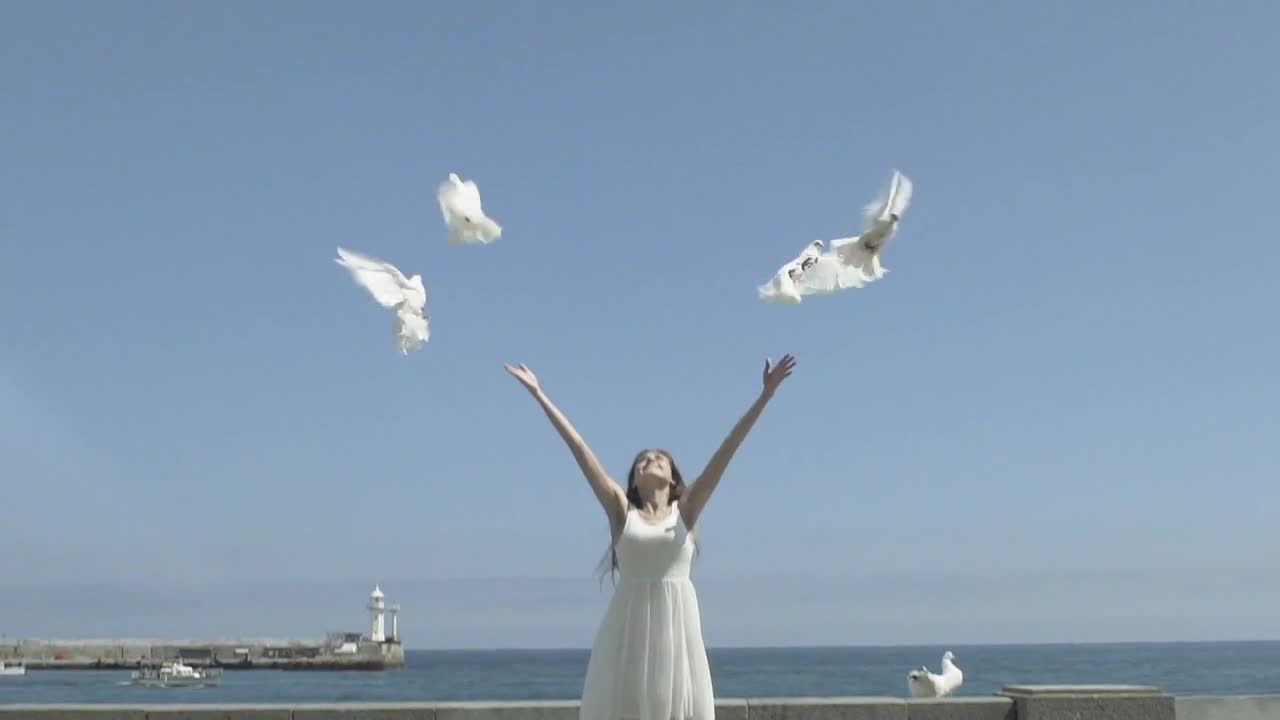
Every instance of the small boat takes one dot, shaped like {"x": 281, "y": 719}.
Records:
{"x": 12, "y": 670}
{"x": 176, "y": 674}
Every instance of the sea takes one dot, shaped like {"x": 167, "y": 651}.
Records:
{"x": 459, "y": 675}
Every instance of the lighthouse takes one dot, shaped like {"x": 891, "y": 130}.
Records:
{"x": 377, "y": 622}
{"x": 395, "y": 622}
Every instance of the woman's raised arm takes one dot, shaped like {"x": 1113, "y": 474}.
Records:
{"x": 611, "y": 496}
{"x": 696, "y": 497}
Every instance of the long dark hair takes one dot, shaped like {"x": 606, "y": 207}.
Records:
{"x": 633, "y": 500}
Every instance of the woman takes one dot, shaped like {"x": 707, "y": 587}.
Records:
{"x": 648, "y": 661}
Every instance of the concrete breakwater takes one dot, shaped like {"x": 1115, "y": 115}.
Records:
{"x": 1021, "y": 702}
{"x": 377, "y": 650}
{"x": 339, "y": 651}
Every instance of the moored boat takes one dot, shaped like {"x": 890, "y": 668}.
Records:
{"x": 176, "y": 674}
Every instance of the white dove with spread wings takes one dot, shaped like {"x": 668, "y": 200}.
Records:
{"x": 847, "y": 263}
{"x": 391, "y": 289}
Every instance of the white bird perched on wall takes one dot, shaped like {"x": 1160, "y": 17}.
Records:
{"x": 781, "y": 288}
{"x": 880, "y": 220}
{"x": 391, "y": 289}
{"x": 460, "y": 205}
{"x": 922, "y": 683}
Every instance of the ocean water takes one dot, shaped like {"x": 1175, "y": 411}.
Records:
{"x": 1178, "y": 668}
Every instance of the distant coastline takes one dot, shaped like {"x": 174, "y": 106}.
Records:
{"x": 1180, "y": 668}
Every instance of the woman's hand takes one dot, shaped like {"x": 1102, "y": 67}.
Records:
{"x": 526, "y": 377}
{"x": 775, "y": 374}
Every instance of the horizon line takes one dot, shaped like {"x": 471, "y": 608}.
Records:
{"x": 879, "y": 646}
{"x": 868, "y": 575}
{"x": 15, "y": 641}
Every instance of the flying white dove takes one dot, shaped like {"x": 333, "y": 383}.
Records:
{"x": 781, "y": 288}
{"x": 922, "y": 683}
{"x": 880, "y": 220}
{"x": 850, "y": 262}
{"x": 391, "y": 289}
{"x": 460, "y": 206}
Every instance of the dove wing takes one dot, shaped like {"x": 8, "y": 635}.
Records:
{"x": 444, "y": 196}
{"x": 469, "y": 194}
{"x": 861, "y": 253}
{"x": 780, "y": 288}
{"x": 460, "y": 199}
{"x": 384, "y": 282}
{"x": 857, "y": 250}
{"x": 813, "y": 249}
{"x": 942, "y": 684}
{"x": 919, "y": 684}
{"x": 828, "y": 275}
{"x": 895, "y": 199}
{"x": 822, "y": 277}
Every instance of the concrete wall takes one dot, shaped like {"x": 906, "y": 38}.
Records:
{"x": 1021, "y": 703}
{"x": 1230, "y": 707}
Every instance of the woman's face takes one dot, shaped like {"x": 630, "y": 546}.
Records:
{"x": 652, "y": 471}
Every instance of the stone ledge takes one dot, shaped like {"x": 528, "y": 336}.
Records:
{"x": 219, "y": 712}
{"x": 1078, "y": 690}
{"x": 1227, "y": 707}
{"x": 1017, "y": 702}
{"x": 836, "y": 708}
{"x": 528, "y": 710}
{"x": 732, "y": 709}
{"x": 73, "y": 712}
{"x": 1089, "y": 702}
{"x": 365, "y": 711}
{"x": 961, "y": 708}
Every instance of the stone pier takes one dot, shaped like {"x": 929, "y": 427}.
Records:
{"x": 1016, "y": 702}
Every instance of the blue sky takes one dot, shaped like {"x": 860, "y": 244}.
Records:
{"x": 1052, "y": 420}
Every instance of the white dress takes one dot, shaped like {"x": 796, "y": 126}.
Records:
{"x": 648, "y": 661}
